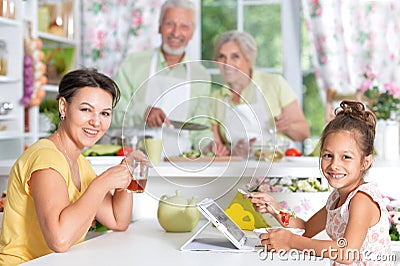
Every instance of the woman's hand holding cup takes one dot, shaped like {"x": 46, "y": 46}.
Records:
{"x": 138, "y": 166}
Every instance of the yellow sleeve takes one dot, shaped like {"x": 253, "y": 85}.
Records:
{"x": 44, "y": 158}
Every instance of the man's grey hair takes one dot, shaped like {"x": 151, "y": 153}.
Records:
{"x": 184, "y": 4}
{"x": 245, "y": 41}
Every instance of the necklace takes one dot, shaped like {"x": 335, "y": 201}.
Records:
{"x": 65, "y": 150}
{"x": 74, "y": 170}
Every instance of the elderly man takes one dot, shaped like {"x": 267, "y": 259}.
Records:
{"x": 162, "y": 84}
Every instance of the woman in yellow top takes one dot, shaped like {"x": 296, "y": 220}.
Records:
{"x": 252, "y": 102}
{"x": 53, "y": 192}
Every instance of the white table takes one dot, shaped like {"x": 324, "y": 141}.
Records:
{"x": 146, "y": 243}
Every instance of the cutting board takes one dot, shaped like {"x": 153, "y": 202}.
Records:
{"x": 203, "y": 159}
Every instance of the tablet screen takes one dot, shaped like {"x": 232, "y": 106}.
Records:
{"x": 224, "y": 219}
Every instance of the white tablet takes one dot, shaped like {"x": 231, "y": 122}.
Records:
{"x": 215, "y": 214}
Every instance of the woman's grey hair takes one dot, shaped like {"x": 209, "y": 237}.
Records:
{"x": 245, "y": 41}
{"x": 184, "y": 4}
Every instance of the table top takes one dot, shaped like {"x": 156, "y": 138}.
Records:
{"x": 146, "y": 243}
{"x": 384, "y": 172}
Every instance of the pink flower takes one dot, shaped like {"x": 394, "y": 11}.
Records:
{"x": 323, "y": 60}
{"x": 392, "y": 89}
{"x": 264, "y": 188}
{"x": 365, "y": 85}
{"x": 101, "y": 35}
{"x": 318, "y": 11}
{"x": 383, "y": 100}
{"x": 370, "y": 75}
{"x": 118, "y": 46}
{"x": 276, "y": 189}
{"x": 136, "y": 14}
{"x": 389, "y": 198}
{"x": 389, "y": 208}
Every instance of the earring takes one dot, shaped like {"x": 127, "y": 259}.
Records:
{"x": 62, "y": 117}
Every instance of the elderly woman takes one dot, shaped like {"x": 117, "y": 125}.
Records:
{"x": 247, "y": 107}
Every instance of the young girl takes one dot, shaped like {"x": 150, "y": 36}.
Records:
{"x": 355, "y": 216}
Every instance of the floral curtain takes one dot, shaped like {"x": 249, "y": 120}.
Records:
{"x": 112, "y": 29}
{"x": 351, "y": 38}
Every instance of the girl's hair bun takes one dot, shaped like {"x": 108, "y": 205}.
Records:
{"x": 352, "y": 116}
{"x": 357, "y": 111}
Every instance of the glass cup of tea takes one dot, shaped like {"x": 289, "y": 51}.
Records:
{"x": 139, "y": 171}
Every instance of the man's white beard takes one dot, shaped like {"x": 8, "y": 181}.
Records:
{"x": 172, "y": 51}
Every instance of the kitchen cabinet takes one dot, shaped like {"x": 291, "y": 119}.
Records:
{"x": 19, "y": 127}
{"x": 12, "y": 131}
{"x": 55, "y": 38}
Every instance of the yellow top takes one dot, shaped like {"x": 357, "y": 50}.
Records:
{"x": 21, "y": 238}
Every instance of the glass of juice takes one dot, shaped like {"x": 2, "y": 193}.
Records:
{"x": 139, "y": 172}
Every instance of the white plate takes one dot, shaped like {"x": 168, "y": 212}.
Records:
{"x": 297, "y": 231}
{"x": 302, "y": 159}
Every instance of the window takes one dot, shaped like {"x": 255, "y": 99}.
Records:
{"x": 250, "y": 15}
{"x": 281, "y": 38}
{"x": 274, "y": 24}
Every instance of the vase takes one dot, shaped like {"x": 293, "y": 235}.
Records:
{"x": 387, "y": 139}
{"x": 391, "y": 140}
{"x": 379, "y": 138}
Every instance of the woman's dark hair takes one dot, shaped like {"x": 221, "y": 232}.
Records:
{"x": 87, "y": 77}
{"x": 352, "y": 116}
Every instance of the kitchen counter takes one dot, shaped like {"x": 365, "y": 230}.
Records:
{"x": 287, "y": 167}
{"x": 146, "y": 243}
{"x": 220, "y": 180}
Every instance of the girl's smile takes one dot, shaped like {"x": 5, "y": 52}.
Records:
{"x": 342, "y": 161}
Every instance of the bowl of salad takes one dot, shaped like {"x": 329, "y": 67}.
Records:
{"x": 273, "y": 152}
